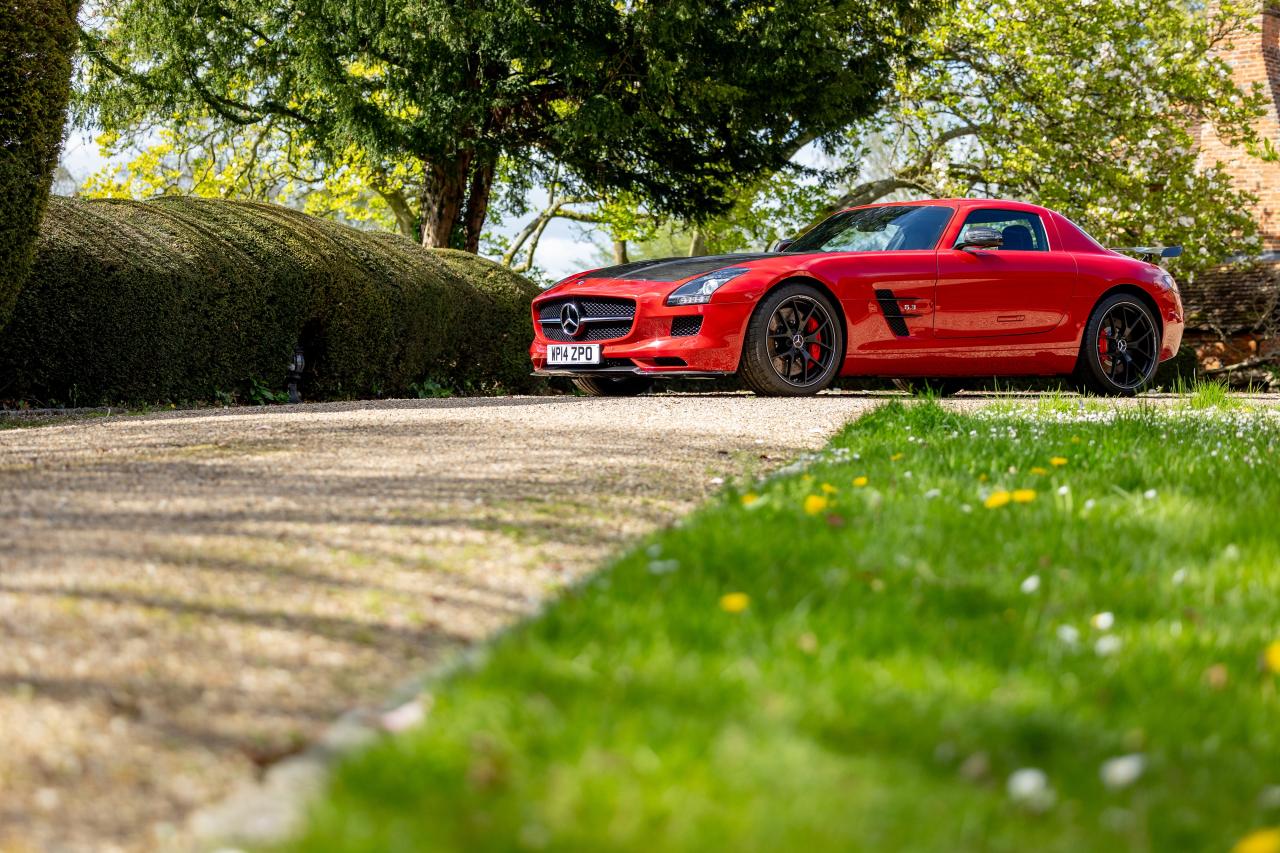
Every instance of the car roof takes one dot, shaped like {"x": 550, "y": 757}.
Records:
{"x": 959, "y": 204}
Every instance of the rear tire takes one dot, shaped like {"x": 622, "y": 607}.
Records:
{"x": 794, "y": 345}
{"x": 613, "y": 386}
{"x": 1120, "y": 350}
{"x": 937, "y": 387}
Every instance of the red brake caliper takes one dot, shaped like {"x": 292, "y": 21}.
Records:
{"x": 1103, "y": 349}
{"x": 815, "y": 351}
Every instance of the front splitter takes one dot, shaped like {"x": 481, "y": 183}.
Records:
{"x": 636, "y": 371}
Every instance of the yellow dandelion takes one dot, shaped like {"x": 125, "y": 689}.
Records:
{"x": 1058, "y": 461}
{"x": 895, "y": 457}
{"x": 1024, "y": 496}
{"x": 815, "y": 504}
{"x": 982, "y": 478}
{"x": 1040, "y": 471}
{"x": 1075, "y": 439}
{"x": 859, "y": 481}
{"x": 829, "y": 489}
{"x": 996, "y": 500}
{"x": 1259, "y": 841}
{"x": 1271, "y": 657}
{"x": 750, "y": 498}
{"x": 735, "y": 602}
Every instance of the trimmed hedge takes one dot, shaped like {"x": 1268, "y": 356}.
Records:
{"x": 37, "y": 40}
{"x": 507, "y": 313}
{"x": 183, "y": 299}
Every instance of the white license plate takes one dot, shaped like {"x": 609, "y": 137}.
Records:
{"x": 561, "y": 354}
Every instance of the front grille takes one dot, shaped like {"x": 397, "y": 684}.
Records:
{"x": 601, "y": 332}
{"x": 592, "y": 308}
{"x": 684, "y": 327}
{"x": 603, "y": 318}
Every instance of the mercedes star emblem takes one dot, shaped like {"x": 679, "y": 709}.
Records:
{"x": 570, "y": 318}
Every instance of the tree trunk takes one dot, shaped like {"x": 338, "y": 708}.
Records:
{"x": 443, "y": 191}
{"x": 533, "y": 245}
{"x": 619, "y": 251}
{"x": 406, "y": 222}
{"x": 477, "y": 203}
{"x": 698, "y": 246}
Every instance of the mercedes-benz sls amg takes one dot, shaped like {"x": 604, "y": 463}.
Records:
{"x": 934, "y": 291}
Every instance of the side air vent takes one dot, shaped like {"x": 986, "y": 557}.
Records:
{"x": 892, "y": 313}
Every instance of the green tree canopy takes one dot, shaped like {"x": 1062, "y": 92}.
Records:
{"x": 1091, "y": 107}
{"x": 673, "y": 101}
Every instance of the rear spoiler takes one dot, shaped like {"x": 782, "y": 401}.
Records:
{"x": 1151, "y": 254}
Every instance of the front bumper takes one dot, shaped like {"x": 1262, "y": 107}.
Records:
{"x": 650, "y": 348}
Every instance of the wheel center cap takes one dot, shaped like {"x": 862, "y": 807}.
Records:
{"x": 797, "y": 341}
{"x": 1122, "y": 345}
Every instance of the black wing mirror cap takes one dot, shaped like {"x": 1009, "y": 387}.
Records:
{"x": 782, "y": 245}
{"x": 981, "y": 238}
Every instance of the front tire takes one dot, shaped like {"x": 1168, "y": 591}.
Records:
{"x": 613, "y": 386}
{"x": 794, "y": 343}
{"x": 1121, "y": 347}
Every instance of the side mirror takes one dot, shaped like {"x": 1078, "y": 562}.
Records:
{"x": 782, "y": 245}
{"x": 981, "y": 238}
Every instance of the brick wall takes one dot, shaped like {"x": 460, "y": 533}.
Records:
{"x": 1255, "y": 59}
{"x": 1216, "y": 351}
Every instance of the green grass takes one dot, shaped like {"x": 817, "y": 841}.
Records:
{"x": 895, "y": 664}
{"x": 1212, "y": 395}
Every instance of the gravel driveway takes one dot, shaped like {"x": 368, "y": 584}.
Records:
{"x": 188, "y": 598}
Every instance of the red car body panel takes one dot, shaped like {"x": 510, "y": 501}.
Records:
{"x": 966, "y": 312}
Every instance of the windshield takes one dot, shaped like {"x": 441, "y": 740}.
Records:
{"x": 877, "y": 229}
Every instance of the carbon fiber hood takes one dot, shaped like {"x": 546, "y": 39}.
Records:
{"x": 674, "y": 269}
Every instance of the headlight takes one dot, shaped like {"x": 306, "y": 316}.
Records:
{"x": 698, "y": 291}
{"x": 1168, "y": 282}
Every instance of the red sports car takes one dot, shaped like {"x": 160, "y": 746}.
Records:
{"x": 922, "y": 290}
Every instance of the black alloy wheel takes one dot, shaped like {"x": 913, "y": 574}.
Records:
{"x": 1121, "y": 347}
{"x": 794, "y": 345}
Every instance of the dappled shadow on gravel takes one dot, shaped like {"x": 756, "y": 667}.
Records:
{"x": 188, "y": 597}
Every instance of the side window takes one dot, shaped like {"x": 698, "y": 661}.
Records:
{"x": 1022, "y": 231}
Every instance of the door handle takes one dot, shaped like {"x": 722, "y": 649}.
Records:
{"x": 1010, "y": 318}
